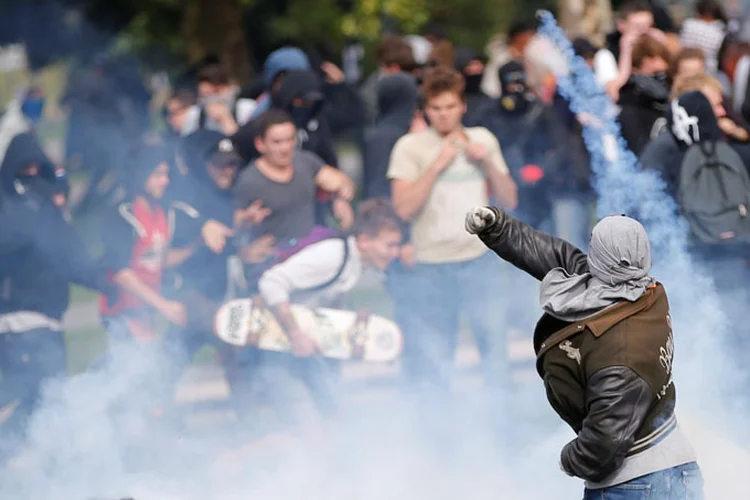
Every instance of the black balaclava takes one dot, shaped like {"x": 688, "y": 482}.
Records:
{"x": 24, "y": 151}
{"x": 516, "y": 96}
{"x": 463, "y": 57}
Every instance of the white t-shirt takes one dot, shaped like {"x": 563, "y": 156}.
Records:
{"x": 437, "y": 231}
{"x": 605, "y": 66}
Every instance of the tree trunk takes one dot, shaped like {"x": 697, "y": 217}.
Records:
{"x": 215, "y": 27}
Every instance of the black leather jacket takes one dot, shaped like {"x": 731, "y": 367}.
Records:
{"x": 604, "y": 375}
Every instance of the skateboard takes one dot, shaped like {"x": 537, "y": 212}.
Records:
{"x": 340, "y": 334}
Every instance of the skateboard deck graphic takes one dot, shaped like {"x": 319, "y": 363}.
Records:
{"x": 340, "y": 334}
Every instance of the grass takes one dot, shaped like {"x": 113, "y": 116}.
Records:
{"x": 84, "y": 346}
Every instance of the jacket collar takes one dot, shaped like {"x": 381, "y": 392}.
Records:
{"x": 603, "y": 321}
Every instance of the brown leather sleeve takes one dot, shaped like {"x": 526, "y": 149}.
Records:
{"x": 618, "y": 402}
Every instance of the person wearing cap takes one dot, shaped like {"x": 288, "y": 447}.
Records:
{"x": 40, "y": 256}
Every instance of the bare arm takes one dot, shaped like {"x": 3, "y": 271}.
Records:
{"x": 283, "y": 313}
{"x": 335, "y": 181}
{"x": 410, "y": 196}
{"x": 177, "y": 256}
{"x": 127, "y": 279}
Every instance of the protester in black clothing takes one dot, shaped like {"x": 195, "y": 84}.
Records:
{"x": 300, "y": 94}
{"x": 471, "y": 66}
{"x": 40, "y": 256}
{"x": 532, "y": 141}
{"x": 397, "y": 104}
{"x": 643, "y": 99}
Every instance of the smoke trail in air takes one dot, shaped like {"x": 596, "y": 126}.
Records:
{"x": 704, "y": 373}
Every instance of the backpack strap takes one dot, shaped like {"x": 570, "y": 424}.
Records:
{"x": 338, "y": 274}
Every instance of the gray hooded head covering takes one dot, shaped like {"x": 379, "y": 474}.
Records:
{"x": 619, "y": 262}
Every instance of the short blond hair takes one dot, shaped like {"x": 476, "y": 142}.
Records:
{"x": 692, "y": 83}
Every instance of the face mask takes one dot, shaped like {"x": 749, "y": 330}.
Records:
{"x": 301, "y": 115}
{"x": 33, "y": 107}
{"x": 516, "y": 103}
{"x": 473, "y": 84}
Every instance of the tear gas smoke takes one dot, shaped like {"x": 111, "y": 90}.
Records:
{"x": 707, "y": 377}
{"x": 83, "y": 440}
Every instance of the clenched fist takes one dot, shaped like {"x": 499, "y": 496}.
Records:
{"x": 478, "y": 219}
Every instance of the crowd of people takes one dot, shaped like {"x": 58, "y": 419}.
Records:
{"x": 244, "y": 196}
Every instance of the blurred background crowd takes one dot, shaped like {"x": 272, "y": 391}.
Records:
{"x": 182, "y": 154}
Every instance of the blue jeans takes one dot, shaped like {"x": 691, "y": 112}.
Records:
{"x": 683, "y": 482}
{"x": 437, "y": 294}
{"x": 27, "y": 361}
{"x": 571, "y": 220}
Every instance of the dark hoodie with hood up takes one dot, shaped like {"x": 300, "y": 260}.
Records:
{"x": 397, "y": 103}
{"x": 313, "y": 131}
{"x": 643, "y": 102}
{"x": 665, "y": 152}
{"x": 40, "y": 253}
{"x": 478, "y": 104}
{"x": 204, "y": 271}
{"x": 695, "y": 122}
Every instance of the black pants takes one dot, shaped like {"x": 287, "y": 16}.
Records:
{"x": 27, "y": 361}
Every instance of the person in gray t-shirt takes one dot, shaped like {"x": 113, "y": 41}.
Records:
{"x": 285, "y": 180}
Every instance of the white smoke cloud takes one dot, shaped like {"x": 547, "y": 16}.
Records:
{"x": 82, "y": 439}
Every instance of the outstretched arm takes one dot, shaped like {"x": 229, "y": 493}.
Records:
{"x": 530, "y": 250}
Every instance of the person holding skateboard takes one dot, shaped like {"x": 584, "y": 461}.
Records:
{"x": 318, "y": 272}
{"x": 605, "y": 349}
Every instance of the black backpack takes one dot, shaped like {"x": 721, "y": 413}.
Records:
{"x": 714, "y": 193}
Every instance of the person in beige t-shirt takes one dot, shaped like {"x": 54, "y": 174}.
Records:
{"x": 436, "y": 176}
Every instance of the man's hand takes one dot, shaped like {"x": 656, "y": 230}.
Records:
{"x": 407, "y": 255}
{"x": 344, "y": 213}
{"x": 452, "y": 145}
{"x": 174, "y": 312}
{"x": 333, "y": 73}
{"x": 259, "y": 250}
{"x": 478, "y": 219}
{"x": 302, "y": 345}
{"x": 215, "y": 235}
{"x": 733, "y": 130}
{"x": 254, "y": 214}
{"x": 348, "y": 189}
{"x": 478, "y": 153}
{"x": 218, "y": 111}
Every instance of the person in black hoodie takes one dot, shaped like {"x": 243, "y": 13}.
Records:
{"x": 532, "y": 140}
{"x": 471, "y": 65}
{"x": 211, "y": 273}
{"x": 691, "y": 120}
{"x": 40, "y": 256}
{"x": 301, "y": 95}
{"x": 397, "y": 103}
{"x": 643, "y": 99}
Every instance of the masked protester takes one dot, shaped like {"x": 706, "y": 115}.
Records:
{"x": 531, "y": 140}
{"x": 471, "y": 65}
{"x": 605, "y": 349}
{"x": 40, "y": 256}
{"x": 643, "y": 99}
{"x": 397, "y": 103}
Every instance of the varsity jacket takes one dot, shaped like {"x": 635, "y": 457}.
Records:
{"x": 609, "y": 377}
